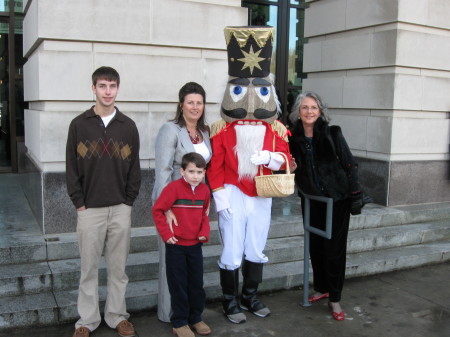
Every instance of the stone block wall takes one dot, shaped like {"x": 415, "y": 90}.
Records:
{"x": 156, "y": 46}
{"x": 382, "y": 67}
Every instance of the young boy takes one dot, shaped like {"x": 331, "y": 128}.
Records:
{"x": 188, "y": 198}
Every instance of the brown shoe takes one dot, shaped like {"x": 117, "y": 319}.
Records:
{"x": 125, "y": 329}
{"x": 183, "y": 331}
{"x": 81, "y": 332}
{"x": 201, "y": 328}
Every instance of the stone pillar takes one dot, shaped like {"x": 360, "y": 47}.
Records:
{"x": 156, "y": 46}
{"x": 383, "y": 68}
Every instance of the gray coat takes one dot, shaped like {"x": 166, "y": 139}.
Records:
{"x": 172, "y": 143}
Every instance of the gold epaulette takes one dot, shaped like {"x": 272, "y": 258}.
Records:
{"x": 280, "y": 129}
{"x": 217, "y": 127}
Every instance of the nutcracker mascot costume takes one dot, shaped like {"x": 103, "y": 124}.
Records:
{"x": 247, "y": 138}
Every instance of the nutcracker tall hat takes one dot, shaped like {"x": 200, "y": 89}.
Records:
{"x": 250, "y": 94}
{"x": 249, "y": 50}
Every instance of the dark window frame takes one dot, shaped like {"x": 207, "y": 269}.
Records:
{"x": 10, "y": 17}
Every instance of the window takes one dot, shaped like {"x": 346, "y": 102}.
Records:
{"x": 12, "y": 104}
{"x": 288, "y": 18}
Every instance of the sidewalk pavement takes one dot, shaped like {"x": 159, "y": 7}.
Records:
{"x": 408, "y": 303}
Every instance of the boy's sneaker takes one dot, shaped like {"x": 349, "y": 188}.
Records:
{"x": 183, "y": 331}
{"x": 81, "y": 332}
{"x": 201, "y": 328}
{"x": 263, "y": 312}
{"x": 237, "y": 318}
{"x": 125, "y": 329}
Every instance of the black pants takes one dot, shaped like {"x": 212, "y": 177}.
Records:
{"x": 184, "y": 270}
{"x": 328, "y": 257}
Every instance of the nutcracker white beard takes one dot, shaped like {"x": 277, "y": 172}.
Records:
{"x": 249, "y": 138}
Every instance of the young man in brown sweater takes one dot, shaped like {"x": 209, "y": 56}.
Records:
{"x": 103, "y": 178}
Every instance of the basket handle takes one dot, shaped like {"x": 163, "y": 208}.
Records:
{"x": 288, "y": 170}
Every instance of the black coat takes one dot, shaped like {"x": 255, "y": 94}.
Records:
{"x": 334, "y": 165}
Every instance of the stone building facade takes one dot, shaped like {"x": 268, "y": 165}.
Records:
{"x": 381, "y": 65}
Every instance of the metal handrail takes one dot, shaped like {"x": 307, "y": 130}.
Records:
{"x": 307, "y": 229}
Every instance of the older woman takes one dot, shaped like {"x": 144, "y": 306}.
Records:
{"x": 327, "y": 168}
{"x": 187, "y": 132}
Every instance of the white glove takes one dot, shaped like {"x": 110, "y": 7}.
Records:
{"x": 226, "y": 213}
{"x": 260, "y": 157}
{"x": 221, "y": 199}
{"x": 276, "y": 161}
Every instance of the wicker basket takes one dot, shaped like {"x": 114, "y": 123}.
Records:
{"x": 275, "y": 185}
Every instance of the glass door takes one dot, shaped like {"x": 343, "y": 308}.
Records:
{"x": 288, "y": 18}
{"x": 265, "y": 15}
{"x": 296, "y": 41}
{"x": 12, "y": 103}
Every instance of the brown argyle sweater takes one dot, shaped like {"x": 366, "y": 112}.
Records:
{"x": 102, "y": 164}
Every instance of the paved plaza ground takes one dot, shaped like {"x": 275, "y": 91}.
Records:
{"x": 408, "y": 303}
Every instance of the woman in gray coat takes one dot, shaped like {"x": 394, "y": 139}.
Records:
{"x": 187, "y": 132}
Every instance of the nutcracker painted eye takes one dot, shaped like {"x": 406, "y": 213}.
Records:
{"x": 237, "y": 92}
{"x": 263, "y": 93}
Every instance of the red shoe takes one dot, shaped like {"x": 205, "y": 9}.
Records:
{"x": 313, "y": 298}
{"x": 338, "y": 316}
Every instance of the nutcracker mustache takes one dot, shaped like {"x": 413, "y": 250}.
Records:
{"x": 241, "y": 113}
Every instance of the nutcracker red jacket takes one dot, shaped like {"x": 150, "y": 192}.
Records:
{"x": 191, "y": 207}
{"x": 223, "y": 168}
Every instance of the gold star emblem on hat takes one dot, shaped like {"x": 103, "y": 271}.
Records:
{"x": 251, "y": 59}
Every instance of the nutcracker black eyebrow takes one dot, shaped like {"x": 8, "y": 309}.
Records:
{"x": 240, "y": 81}
{"x": 261, "y": 82}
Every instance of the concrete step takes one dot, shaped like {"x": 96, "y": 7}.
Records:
{"x": 396, "y": 236}
{"x": 64, "y": 274}
{"x": 65, "y": 246}
{"x": 25, "y": 244}
{"x": 60, "y": 306}
{"x": 25, "y": 279}
{"x": 39, "y": 274}
{"x": 22, "y": 249}
{"x": 425, "y": 212}
{"x": 30, "y": 310}
{"x": 285, "y": 222}
{"x": 373, "y": 215}
{"x": 21, "y": 239}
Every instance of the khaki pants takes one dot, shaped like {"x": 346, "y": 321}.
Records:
{"x": 107, "y": 230}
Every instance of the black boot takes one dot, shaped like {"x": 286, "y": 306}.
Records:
{"x": 229, "y": 281}
{"x": 252, "y": 273}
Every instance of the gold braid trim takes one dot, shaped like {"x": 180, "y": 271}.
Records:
{"x": 279, "y": 128}
{"x": 217, "y": 127}
{"x": 242, "y": 34}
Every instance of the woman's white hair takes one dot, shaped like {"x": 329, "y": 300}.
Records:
{"x": 294, "y": 115}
